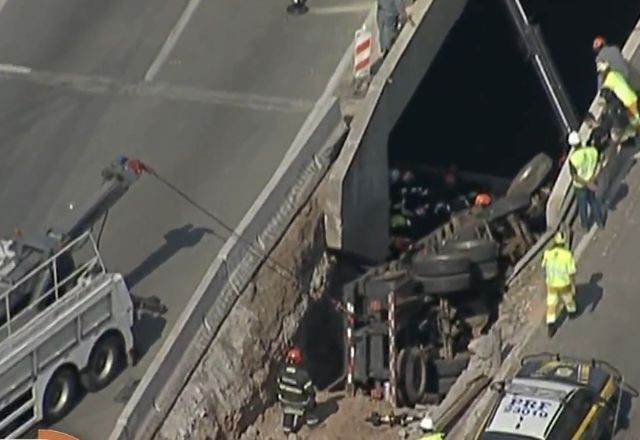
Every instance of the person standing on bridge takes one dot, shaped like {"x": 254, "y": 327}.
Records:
{"x": 560, "y": 270}
{"x": 615, "y": 82}
{"x": 611, "y": 55}
{"x": 583, "y": 166}
{"x": 391, "y": 16}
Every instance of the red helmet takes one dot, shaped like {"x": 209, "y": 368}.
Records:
{"x": 598, "y": 42}
{"x": 482, "y": 199}
{"x": 294, "y": 355}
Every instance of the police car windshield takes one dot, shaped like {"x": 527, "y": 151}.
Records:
{"x": 504, "y": 436}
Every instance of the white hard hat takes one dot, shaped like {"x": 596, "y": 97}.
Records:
{"x": 601, "y": 65}
{"x": 426, "y": 424}
{"x": 574, "y": 138}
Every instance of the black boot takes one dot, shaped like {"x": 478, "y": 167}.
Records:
{"x": 551, "y": 330}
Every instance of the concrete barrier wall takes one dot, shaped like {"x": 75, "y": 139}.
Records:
{"x": 300, "y": 172}
{"x": 359, "y": 182}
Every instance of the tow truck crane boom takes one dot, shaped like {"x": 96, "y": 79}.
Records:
{"x": 21, "y": 255}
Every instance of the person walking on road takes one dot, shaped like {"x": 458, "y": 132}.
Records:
{"x": 611, "y": 55}
{"x": 583, "y": 166}
{"x": 560, "y": 270}
{"x": 391, "y": 16}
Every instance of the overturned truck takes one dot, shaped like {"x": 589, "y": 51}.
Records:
{"x": 408, "y": 322}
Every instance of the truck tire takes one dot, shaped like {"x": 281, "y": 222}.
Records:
{"x": 478, "y": 251}
{"x": 488, "y": 270}
{"x": 382, "y": 284}
{"x": 531, "y": 176}
{"x": 106, "y": 360}
{"x": 445, "y": 384}
{"x": 451, "y": 367}
{"x": 445, "y": 285}
{"x": 414, "y": 377}
{"x": 60, "y": 395}
{"x": 505, "y": 206}
{"x": 441, "y": 264}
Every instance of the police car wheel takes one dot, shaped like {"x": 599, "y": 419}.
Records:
{"x": 60, "y": 395}
{"x": 439, "y": 286}
{"x": 107, "y": 359}
{"x": 441, "y": 264}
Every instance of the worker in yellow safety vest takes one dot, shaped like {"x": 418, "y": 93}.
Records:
{"x": 428, "y": 430}
{"x": 560, "y": 270}
{"x": 583, "y": 166}
{"x": 616, "y": 83}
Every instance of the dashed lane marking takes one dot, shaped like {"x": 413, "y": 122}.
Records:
{"x": 104, "y": 85}
{"x": 334, "y": 10}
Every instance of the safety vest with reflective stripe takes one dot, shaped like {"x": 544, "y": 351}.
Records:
{"x": 437, "y": 436}
{"x": 585, "y": 161}
{"x": 619, "y": 86}
{"x": 559, "y": 266}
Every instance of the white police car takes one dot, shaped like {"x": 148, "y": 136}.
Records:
{"x": 555, "y": 398}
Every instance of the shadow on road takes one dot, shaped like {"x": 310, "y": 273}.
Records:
{"x": 589, "y": 295}
{"x": 619, "y": 196}
{"x": 327, "y": 408}
{"x": 147, "y": 330}
{"x": 175, "y": 240}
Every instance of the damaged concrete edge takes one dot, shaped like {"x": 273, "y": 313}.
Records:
{"x": 162, "y": 380}
{"x": 365, "y": 110}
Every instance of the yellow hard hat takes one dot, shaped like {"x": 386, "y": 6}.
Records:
{"x": 560, "y": 238}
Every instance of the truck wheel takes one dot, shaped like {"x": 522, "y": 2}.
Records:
{"x": 414, "y": 375}
{"x": 60, "y": 395}
{"x": 445, "y": 285}
{"x": 478, "y": 251}
{"x": 531, "y": 176}
{"x": 451, "y": 367}
{"x": 445, "y": 384}
{"x": 434, "y": 265}
{"x": 505, "y": 206}
{"x": 488, "y": 270}
{"x": 107, "y": 359}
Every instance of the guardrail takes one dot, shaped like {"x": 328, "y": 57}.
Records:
{"x": 294, "y": 181}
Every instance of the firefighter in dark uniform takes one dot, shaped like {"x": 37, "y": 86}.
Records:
{"x": 295, "y": 387}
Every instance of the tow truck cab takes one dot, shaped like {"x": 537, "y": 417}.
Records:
{"x": 554, "y": 398}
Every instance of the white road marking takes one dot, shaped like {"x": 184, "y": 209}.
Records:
{"x": 3, "y": 4}
{"x": 171, "y": 41}
{"x": 103, "y": 85}
{"x": 11, "y": 68}
{"x": 333, "y": 10}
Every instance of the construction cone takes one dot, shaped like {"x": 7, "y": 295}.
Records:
{"x": 297, "y": 7}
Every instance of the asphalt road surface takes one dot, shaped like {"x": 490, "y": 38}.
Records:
{"x": 210, "y": 94}
{"x": 608, "y": 297}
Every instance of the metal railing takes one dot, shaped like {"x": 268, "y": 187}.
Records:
{"x": 17, "y": 314}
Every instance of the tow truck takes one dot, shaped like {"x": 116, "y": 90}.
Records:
{"x": 556, "y": 397}
{"x": 65, "y": 321}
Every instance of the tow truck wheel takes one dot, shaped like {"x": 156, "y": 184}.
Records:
{"x": 107, "y": 359}
{"x": 61, "y": 395}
